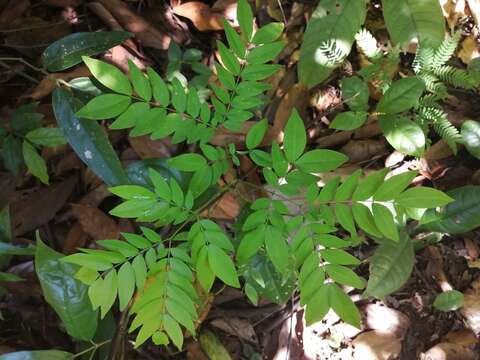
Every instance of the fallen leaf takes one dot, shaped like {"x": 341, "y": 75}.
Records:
{"x": 236, "y": 327}
{"x": 474, "y": 6}
{"x": 439, "y": 150}
{"x": 469, "y": 49}
{"x": 145, "y": 32}
{"x": 453, "y": 10}
{"x": 13, "y": 10}
{"x": 385, "y": 319}
{"x": 95, "y": 222}
{"x": 147, "y": 148}
{"x": 339, "y": 138}
{"x": 376, "y": 345}
{"x": 449, "y": 351}
{"x": 76, "y": 238}
{"x": 201, "y": 15}
{"x": 35, "y": 208}
{"x": 361, "y": 150}
{"x": 49, "y": 82}
{"x": 471, "y": 307}
{"x": 462, "y": 337}
{"x": 224, "y": 137}
{"x": 226, "y": 208}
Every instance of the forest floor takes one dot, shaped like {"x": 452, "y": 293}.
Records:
{"x": 72, "y": 211}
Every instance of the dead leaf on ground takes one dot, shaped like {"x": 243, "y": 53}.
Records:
{"x": 453, "y": 10}
{"x": 76, "y": 238}
{"x": 33, "y": 209}
{"x": 201, "y": 15}
{"x": 224, "y": 137}
{"x": 194, "y": 351}
{"x": 147, "y": 148}
{"x": 474, "y": 6}
{"x": 226, "y": 208}
{"x": 95, "y": 222}
{"x": 471, "y": 307}
{"x": 13, "y": 10}
{"x": 236, "y": 327}
{"x": 361, "y": 150}
{"x": 341, "y": 137}
{"x": 376, "y": 345}
{"x": 49, "y": 83}
{"x": 145, "y": 32}
{"x": 448, "y": 351}
{"x": 212, "y": 346}
{"x": 469, "y": 49}
{"x": 297, "y": 97}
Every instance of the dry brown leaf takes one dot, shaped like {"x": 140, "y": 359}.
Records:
{"x": 361, "y": 150}
{"x": 147, "y": 148}
{"x": 49, "y": 83}
{"x": 33, "y": 209}
{"x": 201, "y": 15}
{"x": 226, "y": 208}
{"x": 95, "y": 222}
{"x": 448, "y": 351}
{"x": 145, "y": 32}
{"x": 469, "y": 49}
{"x": 376, "y": 345}
{"x": 471, "y": 307}
{"x": 76, "y": 238}
{"x": 341, "y": 137}
{"x": 13, "y": 10}
{"x": 297, "y": 97}
{"x": 462, "y": 337}
{"x": 236, "y": 327}
{"x": 224, "y": 137}
{"x": 439, "y": 150}
{"x": 453, "y": 10}
{"x": 434, "y": 268}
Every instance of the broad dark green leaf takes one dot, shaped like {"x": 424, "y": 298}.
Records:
{"x": 64, "y": 293}
{"x": 349, "y": 120}
{"x": 420, "y": 20}
{"x": 12, "y": 154}
{"x": 390, "y": 267}
{"x": 457, "y": 217}
{"x": 10, "y": 249}
{"x": 69, "y": 50}
{"x": 471, "y": 137}
{"x": 403, "y": 134}
{"x": 355, "y": 93}
{"x": 87, "y": 139}
{"x": 401, "y": 96}
{"x": 332, "y": 20}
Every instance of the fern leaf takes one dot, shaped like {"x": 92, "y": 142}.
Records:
{"x": 456, "y": 77}
{"x": 445, "y": 51}
{"x": 442, "y": 126}
{"x": 368, "y": 45}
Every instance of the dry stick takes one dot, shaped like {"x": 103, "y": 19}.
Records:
{"x": 18, "y": 72}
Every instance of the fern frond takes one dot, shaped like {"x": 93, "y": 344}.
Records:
{"x": 445, "y": 51}
{"x": 423, "y": 60}
{"x": 329, "y": 53}
{"x": 438, "y": 119}
{"x": 457, "y": 77}
{"x": 433, "y": 84}
{"x": 368, "y": 45}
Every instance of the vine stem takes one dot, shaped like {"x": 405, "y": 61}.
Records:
{"x": 91, "y": 348}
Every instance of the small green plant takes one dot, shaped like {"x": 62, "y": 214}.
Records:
{"x": 151, "y": 274}
{"x": 21, "y": 139}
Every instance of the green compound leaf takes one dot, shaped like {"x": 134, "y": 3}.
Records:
{"x": 222, "y": 266}
{"x": 390, "y": 267}
{"x": 409, "y": 20}
{"x": 343, "y": 306}
{"x": 320, "y": 160}
{"x": 334, "y": 21}
{"x": 67, "y": 296}
{"x": 256, "y": 134}
{"x": 245, "y": 18}
{"x": 109, "y": 76}
{"x": 87, "y": 139}
{"x": 104, "y": 107}
{"x": 68, "y": 51}
{"x": 268, "y": 33}
{"x": 450, "y": 300}
{"x": 188, "y": 162}
{"x": 423, "y": 197}
{"x": 140, "y": 83}
{"x": 295, "y": 138}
